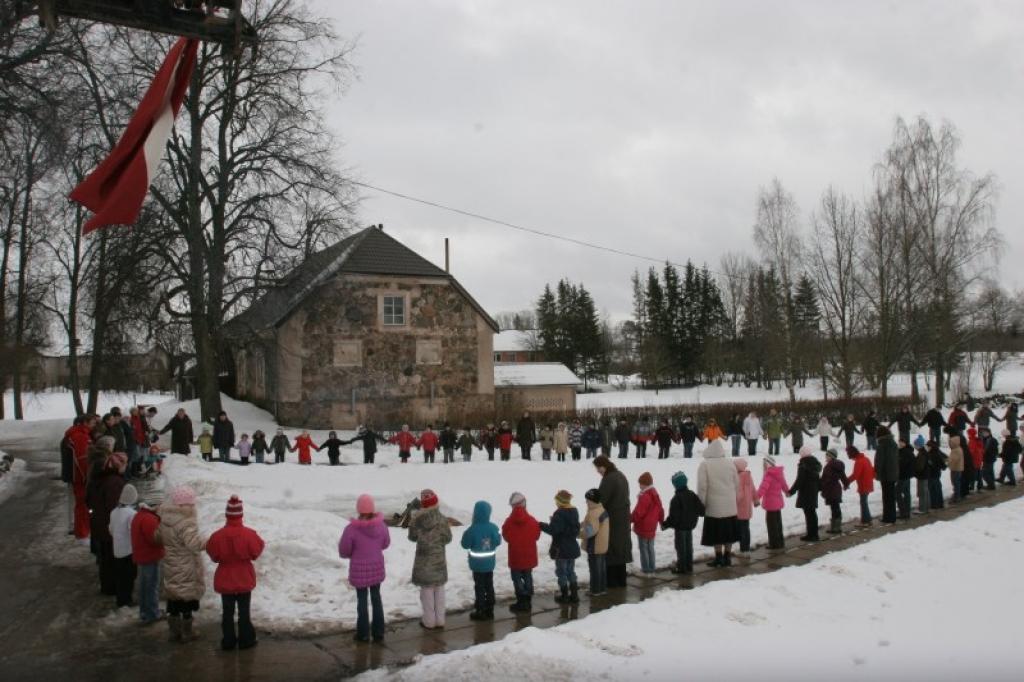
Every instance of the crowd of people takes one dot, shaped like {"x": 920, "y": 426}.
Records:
{"x": 158, "y": 541}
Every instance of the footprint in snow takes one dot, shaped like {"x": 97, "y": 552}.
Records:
{"x": 883, "y": 642}
{"x": 748, "y": 618}
{"x": 857, "y": 660}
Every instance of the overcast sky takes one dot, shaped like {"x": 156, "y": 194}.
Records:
{"x": 651, "y": 126}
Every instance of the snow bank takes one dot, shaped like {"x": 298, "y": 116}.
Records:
{"x": 14, "y": 480}
{"x": 57, "y": 404}
{"x": 880, "y": 611}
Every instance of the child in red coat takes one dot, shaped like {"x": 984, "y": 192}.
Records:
{"x": 428, "y": 440}
{"x": 864, "y": 474}
{"x": 521, "y": 531}
{"x": 305, "y": 445}
{"x": 647, "y": 514}
{"x": 405, "y": 441}
{"x": 147, "y": 552}
{"x": 233, "y": 548}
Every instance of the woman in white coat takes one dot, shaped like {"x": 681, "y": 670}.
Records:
{"x": 753, "y": 432}
{"x": 717, "y": 482}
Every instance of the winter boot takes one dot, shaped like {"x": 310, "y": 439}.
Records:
{"x": 835, "y": 527}
{"x": 522, "y": 605}
{"x": 574, "y": 594}
{"x": 563, "y": 598}
{"x": 174, "y": 628}
{"x": 187, "y": 633}
{"x": 716, "y": 562}
{"x": 727, "y": 559}
{"x": 480, "y": 614}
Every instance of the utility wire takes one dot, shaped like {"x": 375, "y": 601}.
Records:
{"x": 503, "y": 223}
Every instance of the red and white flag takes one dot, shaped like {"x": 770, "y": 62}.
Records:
{"x": 115, "y": 190}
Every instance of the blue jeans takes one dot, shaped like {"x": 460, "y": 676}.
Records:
{"x": 865, "y": 511}
{"x": 873, "y": 441}
{"x": 522, "y": 582}
{"x": 565, "y": 571}
{"x": 688, "y": 449}
{"x": 773, "y": 445}
{"x": 362, "y": 615}
{"x": 934, "y": 433}
{"x": 598, "y": 573}
{"x": 591, "y": 453}
{"x": 149, "y": 592}
{"x": 646, "y": 554}
{"x": 684, "y": 550}
{"x": 735, "y": 439}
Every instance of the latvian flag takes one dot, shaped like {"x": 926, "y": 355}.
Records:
{"x": 116, "y": 189}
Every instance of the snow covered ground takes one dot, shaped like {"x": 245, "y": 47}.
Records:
{"x": 57, "y": 404}
{"x": 15, "y": 479}
{"x": 1009, "y": 379}
{"x": 886, "y": 610}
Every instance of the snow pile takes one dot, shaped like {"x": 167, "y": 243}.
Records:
{"x": 13, "y": 476}
{"x": 57, "y": 404}
{"x": 880, "y": 611}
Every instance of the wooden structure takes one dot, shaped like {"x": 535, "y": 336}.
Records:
{"x": 215, "y": 21}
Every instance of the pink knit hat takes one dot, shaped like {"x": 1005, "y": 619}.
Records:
{"x": 364, "y": 505}
{"x": 183, "y": 495}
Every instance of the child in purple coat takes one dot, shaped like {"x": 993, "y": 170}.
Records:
{"x": 363, "y": 543}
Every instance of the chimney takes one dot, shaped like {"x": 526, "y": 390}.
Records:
{"x": 447, "y": 259}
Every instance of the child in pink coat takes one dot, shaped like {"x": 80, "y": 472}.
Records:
{"x": 772, "y": 496}
{"x": 363, "y": 543}
{"x": 745, "y": 495}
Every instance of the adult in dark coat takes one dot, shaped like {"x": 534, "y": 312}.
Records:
{"x": 102, "y": 494}
{"x": 903, "y": 420}
{"x": 370, "y": 439}
{"x": 180, "y": 427}
{"x": 623, "y": 432}
{"x": 903, "y": 501}
{"x": 614, "y": 491}
{"x": 526, "y": 434}
{"x": 833, "y": 482}
{"x": 887, "y": 472}
{"x": 806, "y": 487}
{"x": 223, "y": 435}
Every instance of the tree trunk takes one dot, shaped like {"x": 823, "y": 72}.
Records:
{"x": 22, "y": 296}
{"x": 101, "y": 314}
{"x": 74, "y": 290}
{"x": 940, "y": 381}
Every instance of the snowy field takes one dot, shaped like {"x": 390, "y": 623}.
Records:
{"x": 301, "y": 511}
{"x": 57, "y": 404}
{"x": 1009, "y": 379}
{"x": 885, "y": 610}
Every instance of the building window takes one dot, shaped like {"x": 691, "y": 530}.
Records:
{"x": 394, "y": 311}
{"x": 497, "y": 357}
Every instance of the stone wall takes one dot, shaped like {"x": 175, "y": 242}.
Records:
{"x": 535, "y": 398}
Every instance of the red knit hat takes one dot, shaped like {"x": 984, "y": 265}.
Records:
{"x": 428, "y": 499}
{"x": 234, "y": 510}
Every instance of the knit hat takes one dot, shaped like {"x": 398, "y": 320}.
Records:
{"x": 517, "y": 500}
{"x": 183, "y": 495}
{"x": 364, "y": 505}
{"x": 646, "y": 479}
{"x": 593, "y": 495}
{"x": 129, "y": 495}
{"x": 919, "y": 441}
{"x": 563, "y": 498}
{"x": 806, "y": 451}
{"x": 769, "y": 461}
{"x": 679, "y": 480}
{"x": 234, "y": 509}
{"x": 832, "y": 453}
{"x": 428, "y": 499}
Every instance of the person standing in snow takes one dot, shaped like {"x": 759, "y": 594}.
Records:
{"x": 1010, "y": 456}
{"x": 429, "y": 441}
{"x": 244, "y": 447}
{"x": 683, "y": 512}
{"x": 260, "y": 448}
{"x": 505, "y": 438}
{"x": 833, "y": 483}
{"x": 481, "y": 539}
{"x": 717, "y": 483}
{"x": 205, "y": 443}
{"x": 753, "y": 432}
{"x": 526, "y": 435}
{"x": 664, "y": 436}
{"x": 489, "y": 441}
{"x": 646, "y": 517}
{"x": 935, "y": 422}
{"x": 363, "y": 543}
{"x": 642, "y": 436}
{"x": 591, "y": 440}
{"x": 991, "y": 454}
{"x": 771, "y": 497}
{"x": 546, "y": 438}
{"x": 305, "y": 445}
{"x": 80, "y": 439}
{"x": 466, "y": 444}
{"x": 180, "y": 427}
{"x": 607, "y": 437}
{"x": 622, "y": 435}
{"x": 985, "y": 416}
{"x": 333, "y": 445}
{"x": 406, "y": 441}
{"x": 369, "y": 439}
{"x": 958, "y": 419}
{"x": 903, "y": 500}
{"x": 1011, "y": 418}
{"x": 957, "y": 462}
{"x": 561, "y": 441}
{"x": 869, "y": 427}
{"x": 887, "y": 473}
{"x": 864, "y": 475}
{"x": 147, "y": 551}
{"x": 921, "y": 470}
{"x": 594, "y": 541}
{"x": 974, "y": 460}
{"x": 223, "y": 436}
{"x": 448, "y": 441}
{"x": 103, "y": 493}
{"x": 796, "y": 431}
{"x": 614, "y": 492}
{"x": 937, "y": 462}
{"x": 564, "y": 529}
{"x": 712, "y": 431}
{"x": 233, "y": 548}
{"x": 576, "y": 440}
{"x": 430, "y": 531}
{"x": 745, "y": 495}
{"x": 849, "y": 429}
{"x": 121, "y": 532}
{"x": 688, "y": 433}
{"x": 184, "y": 579}
{"x": 521, "y": 531}
{"x": 824, "y": 432}
{"x": 280, "y": 445}
{"x": 773, "y": 431}
{"x": 903, "y": 421}
{"x": 734, "y": 430}
{"x": 806, "y": 488}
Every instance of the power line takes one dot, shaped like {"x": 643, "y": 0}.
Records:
{"x": 504, "y": 223}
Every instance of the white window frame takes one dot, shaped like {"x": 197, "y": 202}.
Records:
{"x": 390, "y": 298}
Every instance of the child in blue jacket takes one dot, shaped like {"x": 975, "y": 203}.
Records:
{"x": 482, "y": 539}
{"x": 564, "y": 529}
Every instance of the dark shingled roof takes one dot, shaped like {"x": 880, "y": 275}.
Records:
{"x": 370, "y": 251}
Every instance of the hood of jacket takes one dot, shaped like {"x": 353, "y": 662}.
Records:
{"x": 777, "y": 473}
{"x": 594, "y": 506}
{"x": 741, "y": 465}
{"x": 714, "y": 450}
{"x": 811, "y": 463}
{"x": 372, "y": 528}
{"x": 520, "y": 516}
{"x": 481, "y": 512}
{"x": 429, "y": 518}
{"x": 174, "y": 516}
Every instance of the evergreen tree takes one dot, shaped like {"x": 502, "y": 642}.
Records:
{"x": 547, "y": 321}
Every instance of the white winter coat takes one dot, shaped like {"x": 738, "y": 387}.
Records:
{"x": 752, "y": 428}
{"x": 121, "y": 530}
{"x": 824, "y": 428}
{"x": 717, "y": 482}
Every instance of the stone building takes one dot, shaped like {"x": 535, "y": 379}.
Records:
{"x": 365, "y": 331}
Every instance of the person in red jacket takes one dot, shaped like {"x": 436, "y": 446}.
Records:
{"x": 405, "y": 442}
{"x": 646, "y": 516}
{"x": 428, "y": 441}
{"x": 505, "y": 440}
{"x": 233, "y": 548}
{"x": 305, "y": 445}
{"x": 80, "y": 438}
{"x": 147, "y": 552}
{"x": 864, "y": 474}
{"x": 521, "y": 531}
